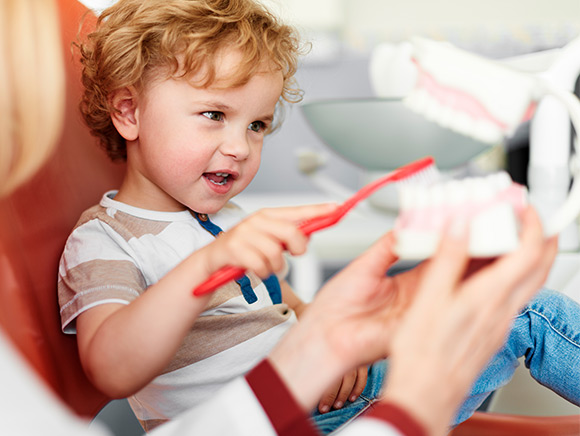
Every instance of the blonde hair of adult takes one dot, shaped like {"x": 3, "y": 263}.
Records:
{"x": 136, "y": 39}
{"x": 31, "y": 88}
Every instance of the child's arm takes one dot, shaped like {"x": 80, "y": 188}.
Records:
{"x": 124, "y": 347}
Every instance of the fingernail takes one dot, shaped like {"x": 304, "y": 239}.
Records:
{"x": 338, "y": 405}
{"x": 325, "y": 408}
{"x": 352, "y": 399}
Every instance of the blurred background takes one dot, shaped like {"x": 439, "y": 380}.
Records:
{"x": 343, "y": 34}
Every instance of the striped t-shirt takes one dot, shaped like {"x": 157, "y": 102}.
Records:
{"x": 117, "y": 251}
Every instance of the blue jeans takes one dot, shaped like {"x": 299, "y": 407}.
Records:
{"x": 327, "y": 422}
{"x": 546, "y": 333}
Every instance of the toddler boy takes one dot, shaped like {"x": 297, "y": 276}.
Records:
{"x": 184, "y": 91}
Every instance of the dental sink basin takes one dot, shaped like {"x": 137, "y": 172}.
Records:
{"x": 382, "y": 134}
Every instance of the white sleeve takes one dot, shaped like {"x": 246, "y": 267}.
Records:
{"x": 369, "y": 427}
{"x": 234, "y": 411}
{"x": 28, "y": 407}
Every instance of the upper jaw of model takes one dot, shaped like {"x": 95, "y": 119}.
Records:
{"x": 491, "y": 207}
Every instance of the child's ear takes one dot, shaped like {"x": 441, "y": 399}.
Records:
{"x": 124, "y": 115}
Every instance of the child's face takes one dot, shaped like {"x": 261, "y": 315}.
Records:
{"x": 198, "y": 147}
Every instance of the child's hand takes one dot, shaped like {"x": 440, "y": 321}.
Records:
{"x": 349, "y": 388}
{"x": 258, "y": 242}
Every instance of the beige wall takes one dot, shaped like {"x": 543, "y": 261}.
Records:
{"x": 462, "y": 13}
{"x": 364, "y": 22}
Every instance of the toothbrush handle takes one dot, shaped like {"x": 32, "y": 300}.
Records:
{"x": 219, "y": 278}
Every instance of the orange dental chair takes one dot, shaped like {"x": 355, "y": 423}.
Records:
{"x": 34, "y": 224}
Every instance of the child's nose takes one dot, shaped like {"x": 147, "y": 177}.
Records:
{"x": 236, "y": 146}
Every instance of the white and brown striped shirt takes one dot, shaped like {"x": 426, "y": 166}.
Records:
{"x": 117, "y": 251}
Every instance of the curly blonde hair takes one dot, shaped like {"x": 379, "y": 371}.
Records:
{"x": 180, "y": 38}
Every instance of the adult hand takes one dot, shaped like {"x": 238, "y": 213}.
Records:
{"x": 458, "y": 320}
{"x": 349, "y": 323}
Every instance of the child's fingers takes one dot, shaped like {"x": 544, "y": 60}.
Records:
{"x": 279, "y": 227}
{"x": 299, "y": 213}
{"x": 361, "y": 382}
{"x": 346, "y": 387}
{"x": 328, "y": 398}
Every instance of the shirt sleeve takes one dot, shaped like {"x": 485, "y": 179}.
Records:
{"x": 397, "y": 417}
{"x": 285, "y": 414}
{"x": 95, "y": 268}
{"x": 28, "y": 407}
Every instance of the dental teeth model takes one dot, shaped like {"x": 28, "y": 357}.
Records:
{"x": 487, "y": 100}
{"x": 490, "y": 205}
{"x": 470, "y": 94}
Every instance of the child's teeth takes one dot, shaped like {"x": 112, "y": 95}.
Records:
{"x": 218, "y": 178}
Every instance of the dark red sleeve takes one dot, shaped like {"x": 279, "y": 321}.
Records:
{"x": 397, "y": 417}
{"x": 286, "y": 415}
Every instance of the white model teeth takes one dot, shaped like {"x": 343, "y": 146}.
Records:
{"x": 490, "y": 204}
{"x": 453, "y": 192}
{"x": 482, "y": 130}
{"x": 503, "y": 92}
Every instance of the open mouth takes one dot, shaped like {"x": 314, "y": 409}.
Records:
{"x": 219, "y": 179}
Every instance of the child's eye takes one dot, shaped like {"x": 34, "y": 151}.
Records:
{"x": 213, "y": 115}
{"x": 257, "y": 126}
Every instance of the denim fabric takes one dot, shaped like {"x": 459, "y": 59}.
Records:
{"x": 547, "y": 334}
{"x": 328, "y": 422}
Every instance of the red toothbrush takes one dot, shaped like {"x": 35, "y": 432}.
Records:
{"x": 426, "y": 167}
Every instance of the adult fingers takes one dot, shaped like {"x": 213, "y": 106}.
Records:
{"x": 517, "y": 275}
{"x": 447, "y": 266}
{"x": 377, "y": 258}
